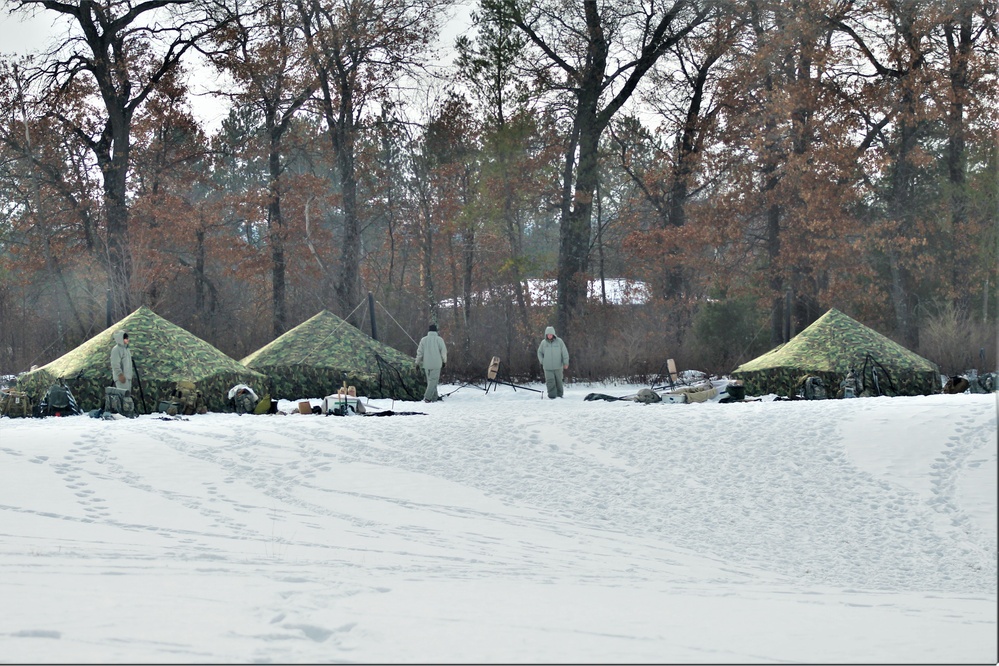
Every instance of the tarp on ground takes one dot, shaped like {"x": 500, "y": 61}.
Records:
{"x": 829, "y": 348}
{"x": 163, "y": 354}
{"x": 315, "y": 358}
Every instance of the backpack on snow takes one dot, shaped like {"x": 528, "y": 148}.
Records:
{"x": 244, "y": 400}
{"x": 850, "y": 386}
{"x": 119, "y": 401}
{"x": 984, "y": 383}
{"x": 956, "y": 384}
{"x": 185, "y": 399}
{"x": 813, "y": 388}
{"x": 15, "y": 404}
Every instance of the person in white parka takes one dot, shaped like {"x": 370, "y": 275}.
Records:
{"x": 431, "y": 355}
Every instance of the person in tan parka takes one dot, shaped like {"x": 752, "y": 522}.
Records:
{"x": 554, "y": 358}
{"x": 121, "y": 362}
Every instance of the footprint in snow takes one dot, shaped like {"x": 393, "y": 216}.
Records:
{"x": 36, "y": 633}
{"x": 319, "y": 634}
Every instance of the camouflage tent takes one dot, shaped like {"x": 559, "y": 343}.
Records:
{"x": 163, "y": 353}
{"x": 316, "y": 357}
{"x": 829, "y": 348}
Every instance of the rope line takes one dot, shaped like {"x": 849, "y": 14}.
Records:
{"x": 59, "y": 338}
{"x": 397, "y": 323}
{"x": 330, "y": 335}
{"x": 390, "y": 368}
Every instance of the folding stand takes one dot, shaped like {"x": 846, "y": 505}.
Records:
{"x": 672, "y": 376}
{"x": 492, "y": 382}
{"x": 490, "y": 374}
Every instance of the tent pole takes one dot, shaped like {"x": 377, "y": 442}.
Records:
{"x": 371, "y": 309}
{"x": 787, "y": 316}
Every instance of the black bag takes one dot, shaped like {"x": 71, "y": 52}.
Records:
{"x": 58, "y": 401}
{"x": 736, "y": 391}
{"x": 58, "y": 397}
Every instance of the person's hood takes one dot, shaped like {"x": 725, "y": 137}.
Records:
{"x": 549, "y": 330}
{"x": 119, "y": 338}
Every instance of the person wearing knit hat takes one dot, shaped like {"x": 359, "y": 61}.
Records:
{"x": 431, "y": 355}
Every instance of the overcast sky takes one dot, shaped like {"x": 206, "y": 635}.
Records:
{"x": 20, "y": 35}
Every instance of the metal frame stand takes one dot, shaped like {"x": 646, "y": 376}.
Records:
{"x": 492, "y": 382}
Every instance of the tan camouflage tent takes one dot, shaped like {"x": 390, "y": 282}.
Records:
{"x": 163, "y": 353}
{"x": 316, "y": 357}
{"x": 829, "y": 348}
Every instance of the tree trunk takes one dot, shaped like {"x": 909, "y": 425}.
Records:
{"x": 900, "y": 296}
{"x": 683, "y": 171}
{"x": 116, "y": 209}
{"x": 960, "y": 45}
{"x": 468, "y": 273}
{"x": 901, "y": 209}
{"x": 200, "y": 281}
{"x": 574, "y": 234}
{"x": 777, "y": 333}
{"x": 427, "y": 258}
{"x": 348, "y": 285}
{"x": 275, "y": 230}
{"x": 514, "y": 237}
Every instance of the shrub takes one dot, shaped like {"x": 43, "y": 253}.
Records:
{"x": 954, "y": 340}
{"x": 727, "y": 332}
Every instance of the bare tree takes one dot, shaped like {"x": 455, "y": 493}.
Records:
{"x": 896, "y": 43}
{"x": 487, "y": 65}
{"x": 117, "y": 52}
{"x": 597, "y": 53}
{"x": 264, "y": 53}
{"x": 684, "y": 95}
{"x": 360, "y": 50}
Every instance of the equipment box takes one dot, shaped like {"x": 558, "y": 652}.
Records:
{"x": 332, "y": 402}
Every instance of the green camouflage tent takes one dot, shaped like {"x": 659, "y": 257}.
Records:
{"x": 163, "y": 353}
{"x": 316, "y": 357}
{"x": 829, "y": 348}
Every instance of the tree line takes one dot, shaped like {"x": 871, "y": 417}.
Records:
{"x": 753, "y": 162}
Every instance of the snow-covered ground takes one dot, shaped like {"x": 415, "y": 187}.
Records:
{"x": 504, "y": 527}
